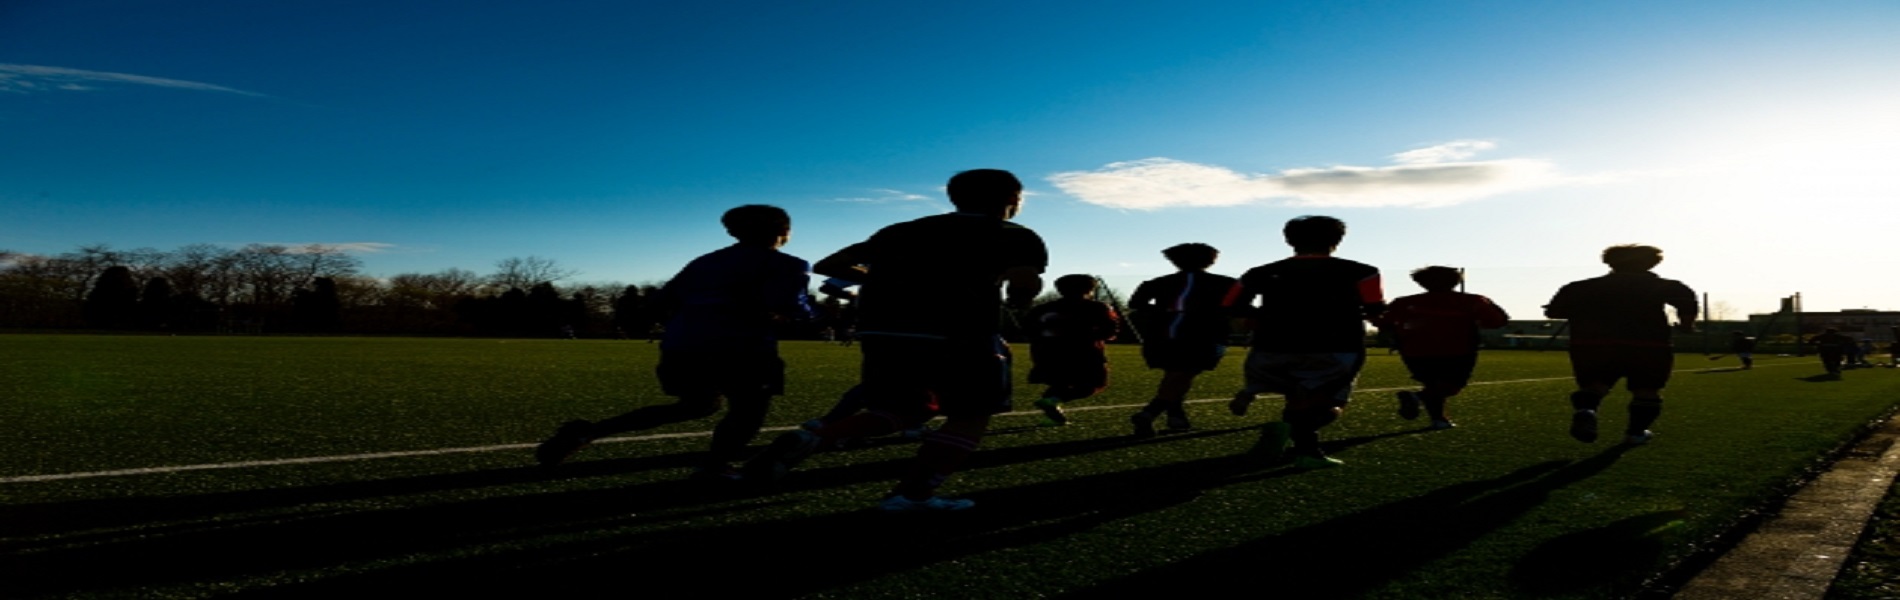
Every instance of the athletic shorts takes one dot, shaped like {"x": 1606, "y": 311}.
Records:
{"x": 1307, "y": 379}
{"x": 1183, "y": 355}
{"x": 1441, "y": 369}
{"x": 964, "y": 376}
{"x": 702, "y": 373}
{"x": 1068, "y": 366}
{"x": 1646, "y": 368}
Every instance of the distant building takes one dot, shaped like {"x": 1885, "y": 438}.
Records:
{"x": 1857, "y": 323}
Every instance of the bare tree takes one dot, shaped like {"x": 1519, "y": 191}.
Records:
{"x": 1721, "y": 310}
{"x": 524, "y": 273}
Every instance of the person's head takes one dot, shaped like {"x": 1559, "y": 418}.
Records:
{"x": 1193, "y": 256}
{"x": 1076, "y": 286}
{"x": 758, "y": 224}
{"x": 986, "y": 191}
{"x": 1438, "y": 279}
{"x": 1629, "y": 258}
{"x": 1314, "y": 234}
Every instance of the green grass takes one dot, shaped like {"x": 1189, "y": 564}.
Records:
{"x": 1505, "y": 506}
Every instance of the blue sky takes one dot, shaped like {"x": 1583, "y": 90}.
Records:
{"x": 1747, "y": 139}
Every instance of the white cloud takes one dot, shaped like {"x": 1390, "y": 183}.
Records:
{"x": 1446, "y": 152}
{"x": 1433, "y": 176}
{"x": 36, "y": 78}
{"x": 882, "y": 196}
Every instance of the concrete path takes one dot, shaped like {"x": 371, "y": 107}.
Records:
{"x": 1795, "y": 554}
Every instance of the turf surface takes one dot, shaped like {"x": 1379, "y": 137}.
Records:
{"x": 1505, "y": 506}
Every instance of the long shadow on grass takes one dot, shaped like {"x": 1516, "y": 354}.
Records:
{"x": 595, "y": 539}
{"x": 1358, "y": 553}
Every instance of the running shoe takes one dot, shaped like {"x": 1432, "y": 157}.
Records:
{"x": 1052, "y": 412}
{"x": 1408, "y": 405}
{"x": 1242, "y": 400}
{"x": 1583, "y": 426}
{"x": 1316, "y": 461}
{"x": 1178, "y": 420}
{"x": 1144, "y": 423}
{"x": 778, "y": 458}
{"x": 1638, "y": 439}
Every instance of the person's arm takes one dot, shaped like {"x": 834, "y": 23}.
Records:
{"x": 1490, "y": 315}
{"x": 847, "y": 264}
{"x": 1684, "y": 300}
{"x": 1021, "y": 285}
{"x": 1561, "y": 305}
{"x": 1371, "y": 297}
{"x": 787, "y": 292}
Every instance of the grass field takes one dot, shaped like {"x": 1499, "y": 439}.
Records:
{"x": 1505, "y": 506}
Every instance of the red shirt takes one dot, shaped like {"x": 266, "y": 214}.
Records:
{"x": 1440, "y": 323}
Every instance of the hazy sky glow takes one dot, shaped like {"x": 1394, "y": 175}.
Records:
{"x": 1750, "y": 140}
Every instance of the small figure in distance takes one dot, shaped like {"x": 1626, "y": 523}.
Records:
{"x": 929, "y": 325}
{"x": 1066, "y": 350}
{"x": 1866, "y": 351}
{"x": 1437, "y": 334}
{"x": 1832, "y": 346}
{"x": 718, "y": 344}
{"x": 1184, "y": 327}
{"x": 1743, "y": 347}
{"x": 1309, "y": 336}
{"x": 1618, "y": 330}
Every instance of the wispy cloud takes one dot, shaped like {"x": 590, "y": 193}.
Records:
{"x": 1433, "y": 176}
{"x": 884, "y": 196}
{"x": 26, "y": 79}
{"x": 347, "y": 247}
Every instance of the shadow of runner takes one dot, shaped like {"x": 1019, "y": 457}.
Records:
{"x": 1355, "y": 554}
{"x": 804, "y": 555}
{"x": 239, "y": 535}
{"x": 1587, "y": 559}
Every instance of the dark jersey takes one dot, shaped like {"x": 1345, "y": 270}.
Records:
{"x": 1185, "y": 306}
{"x": 1071, "y": 323}
{"x": 1832, "y": 342}
{"x": 941, "y": 275}
{"x": 730, "y": 298}
{"x": 1440, "y": 323}
{"x": 1309, "y": 304}
{"x": 1742, "y": 345}
{"x": 1622, "y": 309}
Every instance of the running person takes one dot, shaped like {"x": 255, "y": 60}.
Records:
{"x": 1184, "y": 330}
{"x": 1309, "y": 335}
{"x": 1437, "y": 334}
{"x": 929, "y": 329}
{"x": 1066, "y": 351}
{"x": 1832, "y": 346}
{"x": 1743, "y": 347}
{"x": 1618, "y": 330}
{"x": 719, "y": 343}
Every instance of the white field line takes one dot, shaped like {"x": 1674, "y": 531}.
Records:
{"x": 311, "y": 460}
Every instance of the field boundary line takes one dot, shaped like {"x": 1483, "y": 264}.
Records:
{"x": 311, "y": 460}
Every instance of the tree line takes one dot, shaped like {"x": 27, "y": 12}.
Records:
{"x": 270, "y": 288}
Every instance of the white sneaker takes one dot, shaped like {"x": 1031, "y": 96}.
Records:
{"x": 1640, "y": 438}
{"x": 1441, "y": 425}
{"x": 898, "y": 503}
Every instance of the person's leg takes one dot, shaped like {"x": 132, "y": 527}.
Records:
{"x": 574, "y": 435}
{"x": 941, "y": 454}
{"x": 741, "y": 424}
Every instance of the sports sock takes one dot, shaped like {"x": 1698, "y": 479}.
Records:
{"x": 1643, "y": 413}
{"x": 939, "y": 456}
{"x": 1585, "y": 400}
